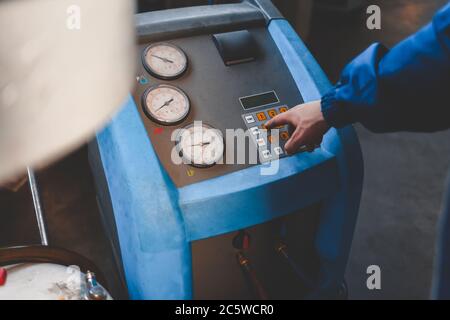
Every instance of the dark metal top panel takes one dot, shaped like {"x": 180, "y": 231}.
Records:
{"x": 268, "y": 9}
{"x": 182, "y": 22}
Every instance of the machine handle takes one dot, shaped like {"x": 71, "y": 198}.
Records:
{"x": 38, "y": 208}
{"x": 209, "y": 19}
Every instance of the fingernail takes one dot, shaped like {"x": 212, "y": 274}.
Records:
{"x": 286, "y": 149}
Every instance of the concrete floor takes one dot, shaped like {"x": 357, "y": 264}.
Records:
{"x": 404, "y": 176}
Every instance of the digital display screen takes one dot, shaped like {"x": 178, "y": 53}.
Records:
{"x": 259, "y": 100}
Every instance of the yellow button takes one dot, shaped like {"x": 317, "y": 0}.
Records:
{"x": 284, "y": 135}
{"x": 261, "y": 116}
{"x": 272, "y": 113}
{"x": 283, "y": 109}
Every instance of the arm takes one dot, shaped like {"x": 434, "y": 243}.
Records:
{"x": 405, "y": 88}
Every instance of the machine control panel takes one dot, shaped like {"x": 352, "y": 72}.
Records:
{"x": 184, "y": 81}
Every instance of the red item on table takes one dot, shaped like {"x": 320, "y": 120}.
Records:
{"x": 3, "y": 275}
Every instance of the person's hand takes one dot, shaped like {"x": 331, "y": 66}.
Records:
{"x": 308, "y": 123}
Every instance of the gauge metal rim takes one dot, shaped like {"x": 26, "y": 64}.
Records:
{"x": 180, "y": 153}
{"x": 154, "y": 73}
{"x": 153, "y": 118}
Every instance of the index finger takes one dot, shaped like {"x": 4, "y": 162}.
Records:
{"x": 278, "y": 120}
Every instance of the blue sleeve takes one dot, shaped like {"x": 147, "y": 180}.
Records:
{"x": 406, "y": 88}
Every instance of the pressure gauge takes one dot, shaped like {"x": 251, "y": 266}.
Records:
{"x": 200, "y": 145}
{"x": 165, "y": 61}
{"x": 165, "y": 104}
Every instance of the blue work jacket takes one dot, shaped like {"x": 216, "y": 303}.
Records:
{"x": 406, "y": 88}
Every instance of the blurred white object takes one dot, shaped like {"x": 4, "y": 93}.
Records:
{"x": 44, "y": 281}
{"x": 65, "y": 67}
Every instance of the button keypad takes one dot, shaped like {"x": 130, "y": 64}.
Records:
{"x": 269, "y": 146}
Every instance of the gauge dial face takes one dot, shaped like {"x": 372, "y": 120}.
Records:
{"x": 165, "y": 61}
{"x": 200, "y": 145}
{"x": 165, "y": 104}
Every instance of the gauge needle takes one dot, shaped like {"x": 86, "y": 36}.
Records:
{"x": 202, "y": 144}
{"x": 165, "y": 104}
{"x": 163, "y": 59}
